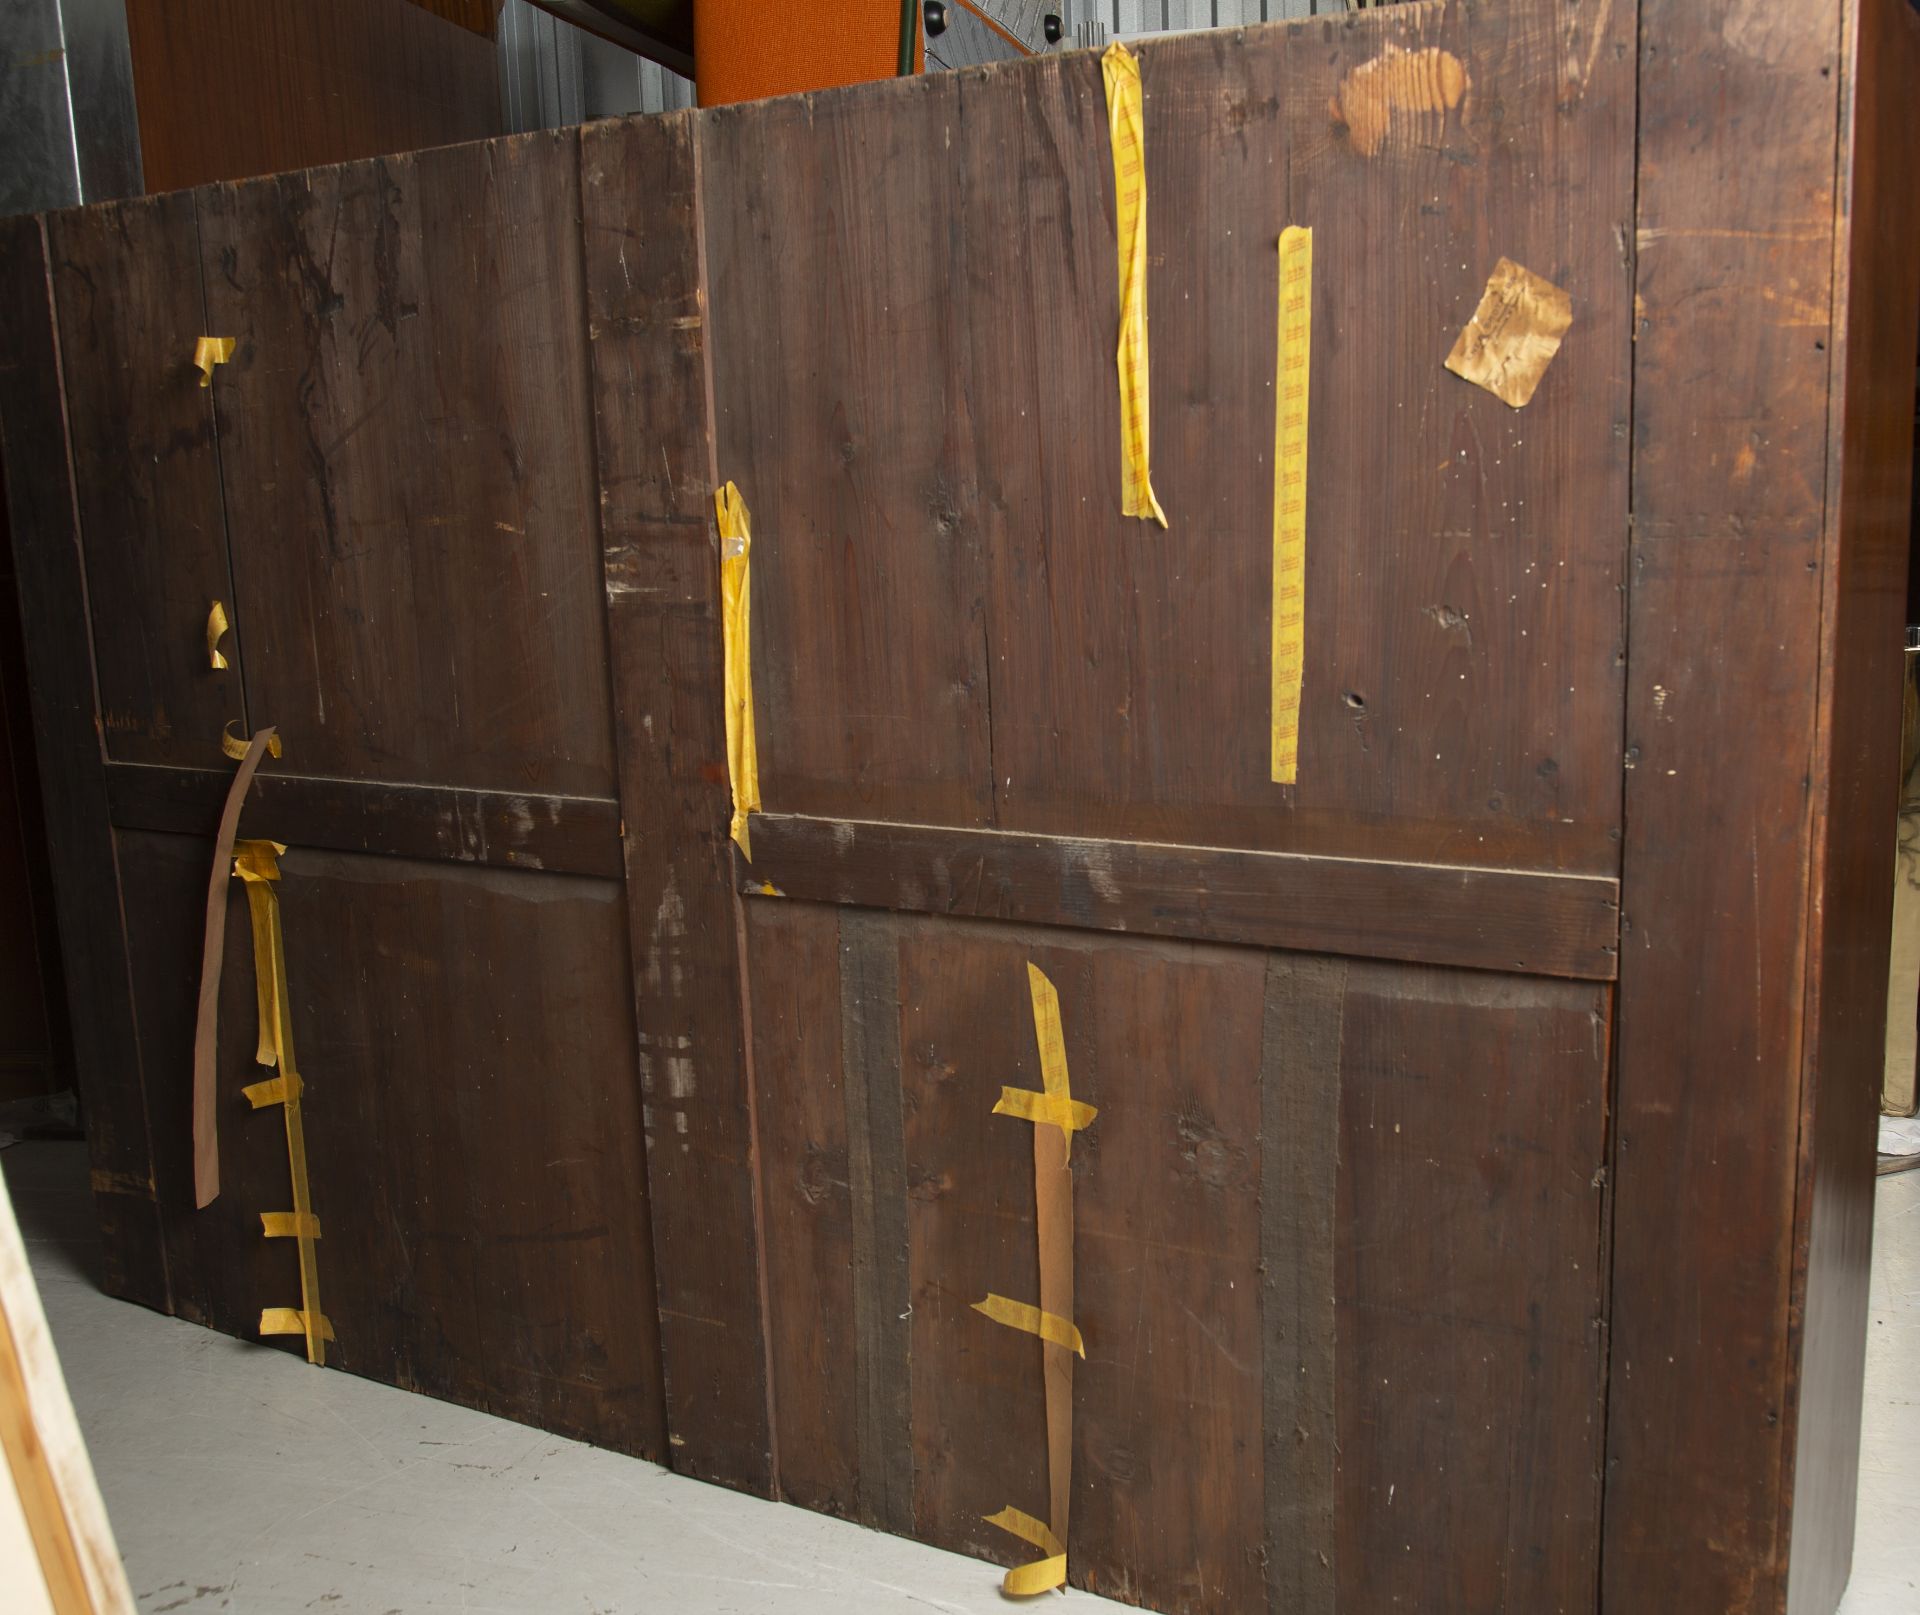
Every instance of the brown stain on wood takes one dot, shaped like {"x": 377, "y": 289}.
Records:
{"x": 1395, "y": 87}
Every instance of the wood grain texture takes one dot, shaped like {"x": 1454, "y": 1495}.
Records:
{"x": 1469, "y": 1337}
{"x": 229, "y": 88}
{"x": 1856, "y": 765}
{"x": 1499, "y": 919}
{"x": 877, "y": 1178}
{"x": 1463, "y": 665}
{"x": 1734, "y": 283}
{"x": 647, "y": 327}
{"x": 1300, "y": 1048}
{"x": 1164, "y": 1038}
{"x": 48, "y": 566}
{"x": 406, "y": 442}
{"x": 147, "y": 476}
{"x": 841, "y": 411}
{"x": 485, "y": 1235}
{"x": 807, "y": 1198}
{"x": 575, "y": 835}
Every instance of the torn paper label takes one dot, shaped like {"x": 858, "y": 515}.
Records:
{"x": 1513, "y": 335}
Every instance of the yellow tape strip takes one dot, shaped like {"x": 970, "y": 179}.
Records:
{"x": 271, "y": 1092}
{"x": 1069, "y": 1115}
{"x": 1292, "y": 370}
{"x": 1043, "y": 1575}
{"x": 1047, "y": 1325}
{"x": 743, "y": 755}
{"x": 210, "y": 351}
{"x": 1056, "y": 1107}
{"x": 258, "y": 864}
{"x": 292, "y": 1321}
{"x": 236, "y": 748}
{"x": 216, "y": 626}
{"x": 289, "y": 1225}
{"x": 1126, "y": 129}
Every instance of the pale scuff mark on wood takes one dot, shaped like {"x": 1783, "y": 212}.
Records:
{"x": 1395, "y": 86}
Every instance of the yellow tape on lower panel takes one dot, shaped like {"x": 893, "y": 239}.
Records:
{"x": 291, "y": 1321}
{"x": 1018, "y": 1315}
{"x": 1043, "y": 1575}
{"x": 1069, "y": 1115}
{"x": 289, "y": 1225}
{"x": 210, "y": 351}
{"x": 1056, "y": 1107}
{"x": 1126, "y": 128}
{"x": 273, "y": 1091}
{"x": 1292, "y": 370}
{"x": 257, "y": 863}
{"x": 217, "y": 625}
{"x": 736, "y": 606}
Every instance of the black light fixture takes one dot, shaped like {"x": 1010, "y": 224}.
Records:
{"x": 1052, "y": 28}
{"x": 936, "y": 15}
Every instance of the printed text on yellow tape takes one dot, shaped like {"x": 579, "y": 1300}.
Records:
{"x": 1292, "y": 371}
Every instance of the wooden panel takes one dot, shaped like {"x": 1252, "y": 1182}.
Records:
{"x": 1498, "y": 919}
{"x": 806, "y": 1191}
{"x": 1857, "y": 765}
{"x": 578, "y": 835}
{"x": 228, "y": 88}
{"x": 1734, "y": 283}
{"x": 1165, "y": 1038}
{"x": 46, "y": 550}
{"x": 476, "y": 1154}
{"x": 842, "y": 410}
{"x": 147, "y": 475}
{"x": 409, "y": 475}
{"x": 639, "y": 183}
{"x": 1472, "y": 1143}
{"x": 916, "y": 392}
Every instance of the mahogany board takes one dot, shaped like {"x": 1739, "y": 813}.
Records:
{"x": 1475, "y": 1215}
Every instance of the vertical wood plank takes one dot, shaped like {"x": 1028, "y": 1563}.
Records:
{"x": 793, "y": 952}
{"x": 1299, "y": 1154}
{"x": 647, "y": 311}
{"x": 42, "y": 518}
{"x": 1877, "y": 309}
{"x": 147, "y": 476}
{"x": 1467, "y": 1238}
{"x": 1733, "y": 271}
{"x": 877, "y": 1176}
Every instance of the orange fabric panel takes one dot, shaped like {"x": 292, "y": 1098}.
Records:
{"x": 744, "y": 50}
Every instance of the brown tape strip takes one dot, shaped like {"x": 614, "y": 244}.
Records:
{"x": 206, "y": 1029}
{"x": 1054, "y": 1118}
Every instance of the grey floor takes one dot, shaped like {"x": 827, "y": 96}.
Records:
{"x": 238, "y": 1479}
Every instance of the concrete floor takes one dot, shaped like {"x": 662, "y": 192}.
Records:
{"x": 237, "y": 1479}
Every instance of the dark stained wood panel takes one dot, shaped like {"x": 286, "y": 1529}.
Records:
{"x": 648, "y": 338}
{"x": 228, "y": 88}
{"x": 807, "y": 1202}
{"x": 147, "y": 476}
{"x": 473, "y": 1129}
{"x": 843, "y": 411}
{"x": 1465, "y": 629}
{"x": 1877, "y": 324}
{"x": 405, "y": 436}
{"x": 1734, "y": 287}
{"x": 37, "y": 469}
{"x": 1470, "y": 1364}
{"x": 1497, "y": 919}
{"x": 577, "y": 835}
{"x": 1165, "y": 1039}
